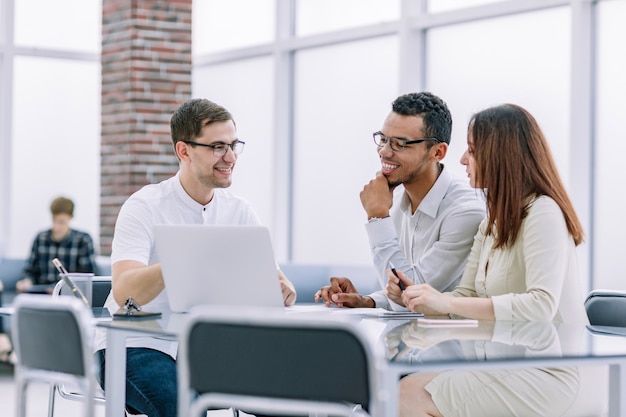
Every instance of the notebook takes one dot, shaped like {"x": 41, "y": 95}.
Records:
{"x": 217, "y": 264}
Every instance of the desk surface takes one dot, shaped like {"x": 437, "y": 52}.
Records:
{"x": 501, "y": 344}
{"x": 404, "y": 341}
{"x": 402, "y": 347}
{"x": 7, "y": 311}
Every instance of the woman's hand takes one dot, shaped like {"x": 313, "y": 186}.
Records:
{"x": 416, "y": 337}
{"x": 422, "y": 298}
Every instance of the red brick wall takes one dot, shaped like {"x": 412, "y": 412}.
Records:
{"x": 146, "y": 73}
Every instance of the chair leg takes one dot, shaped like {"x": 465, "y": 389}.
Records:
{"x": 20, "y": 394}
{"x": 53, "y": 390}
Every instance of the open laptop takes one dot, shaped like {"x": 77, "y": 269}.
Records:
{"x": 217, "y": 264}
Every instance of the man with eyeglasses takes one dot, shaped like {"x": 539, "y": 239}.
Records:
{"x": 421, "y": 220}
{"x": 206, "y": 145}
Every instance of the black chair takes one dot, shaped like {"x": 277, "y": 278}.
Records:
{"x": 606, "y": 308}
{"x": 268, "y": 362}
{"x": 101, "y": 286}
{"x": 53, "y": 340}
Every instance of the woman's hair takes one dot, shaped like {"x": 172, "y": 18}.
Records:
{"x": 513, "y": 164}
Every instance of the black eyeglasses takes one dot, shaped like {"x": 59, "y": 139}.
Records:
{"x": 220, "y": 149}
{"x": 396, "y": 144}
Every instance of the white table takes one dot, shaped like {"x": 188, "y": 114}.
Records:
{"x": 115, "y": 362}
{"x": 426, "y": 351}
{"x": 507, "y": 345}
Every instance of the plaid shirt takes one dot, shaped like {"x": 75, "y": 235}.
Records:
{"x": 75, "y": 251}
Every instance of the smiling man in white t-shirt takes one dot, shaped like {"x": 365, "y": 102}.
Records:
{"x": 206, "y": 145}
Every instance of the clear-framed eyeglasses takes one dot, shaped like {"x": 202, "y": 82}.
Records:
{"x": 220, "y": 149}
{"x": 397, "y": 144}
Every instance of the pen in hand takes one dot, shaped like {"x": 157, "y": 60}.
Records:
{"x": 400, "y": 283}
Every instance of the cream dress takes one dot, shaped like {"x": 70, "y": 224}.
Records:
{"x": 536, "y": 279}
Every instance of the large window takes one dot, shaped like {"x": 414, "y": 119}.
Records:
{"x": 308, "y": 81}
{"x": 56, "y": 151}
{"x": 224, "y": 25}
{"x": 248, "y": 96}
{"x": 2, "y": 22}
{"x": 50, "y": 116}
{"x": 488, "y": 62}
{"x": 66, "y": 25}
{"x": 342, "y": 95}
{"x": 610, "y": 223}
{"x": 320, "y": 16}
{"x": 338, "y": 65}
{"x": 437, "y": 6}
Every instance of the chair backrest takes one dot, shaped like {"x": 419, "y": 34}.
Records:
{"x": 101, "y": 287}
{"x": 53, "y": 339}
{"x": 606, "y": 308}
{"x": 267, "y": 361}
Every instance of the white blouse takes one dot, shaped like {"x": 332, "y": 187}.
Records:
{"x": 535, "y": 279}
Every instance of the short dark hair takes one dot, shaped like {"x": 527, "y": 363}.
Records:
{"x": 191, "y": 116}
{"x": 62, "y": 205}
{"x": 434, "y": 111}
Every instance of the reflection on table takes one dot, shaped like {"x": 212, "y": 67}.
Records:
{"x": 409, "y": 348}
{"x": 407, "y": 342}
{"x": 505, "y": 345}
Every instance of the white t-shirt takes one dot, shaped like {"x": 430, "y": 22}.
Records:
{"x": 133, "y": 240}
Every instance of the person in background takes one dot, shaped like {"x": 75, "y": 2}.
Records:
{"x": 421, "y": 219}
{"x": 522, "y": 267}
{"x": 74, "y": 249}
{"x": 6, "y": 348}
{"x": 206, "y": 144}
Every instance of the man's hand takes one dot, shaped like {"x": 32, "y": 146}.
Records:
{"x": 377, "y": 197}
{"x": 23, "y": 285}
{"x": 287, "y": 288}
{"x": 393, "y": 290}
{"x": 343, "y": 293}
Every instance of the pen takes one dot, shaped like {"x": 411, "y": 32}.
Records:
{"x": 400, "y": 283}
{"x": 59, "y": 266}
{"x": 64, "y": 275}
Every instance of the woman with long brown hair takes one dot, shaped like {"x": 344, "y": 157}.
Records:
{"x": 522, "y": 266}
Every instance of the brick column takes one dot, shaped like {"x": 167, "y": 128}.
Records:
{"x": 146, "y": 73}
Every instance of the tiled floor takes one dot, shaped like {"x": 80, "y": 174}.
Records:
{"x": 37, "y": 395}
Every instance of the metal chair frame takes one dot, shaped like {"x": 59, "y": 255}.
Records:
{"x": 58, "y": 359}
{"x": 65, "y": 392}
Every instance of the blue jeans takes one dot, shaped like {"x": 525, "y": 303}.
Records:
{"x": 150, "y": 382}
